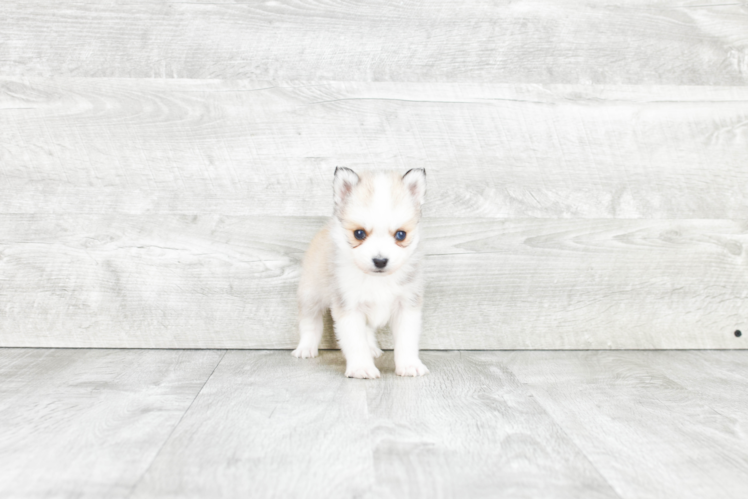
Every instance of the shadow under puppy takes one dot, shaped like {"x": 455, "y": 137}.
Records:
{"x": 364, "y": 266}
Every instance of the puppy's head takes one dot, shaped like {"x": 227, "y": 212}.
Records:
{"x": 379, "y": 214}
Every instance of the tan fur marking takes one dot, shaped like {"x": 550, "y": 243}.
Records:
{"x": 315, "y": 267}
{"x": 365, "y": 188}
{"x": 349, "y": 227}
{"x": 362, "y": 193}
{"x": 409, "y": 228}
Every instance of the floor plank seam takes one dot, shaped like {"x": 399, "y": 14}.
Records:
{"x": 568, "y": 436}
{"x": 155, "y": 456}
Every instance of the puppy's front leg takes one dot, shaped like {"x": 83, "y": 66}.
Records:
{"x": 406, "y": 330}
{"x": 350, "y": 328}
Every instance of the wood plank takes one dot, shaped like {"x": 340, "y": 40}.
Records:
{"x": 87, "y": 423}
{"x": 648, "y": 434}
{"x": 716, "y": 379}
{"x": 214, "y": 281}
{"x": 140, "y": 146}
{"x": 470, "y": 429}
{"x": 699, "y": 43}
{"x": 268, "y": 425}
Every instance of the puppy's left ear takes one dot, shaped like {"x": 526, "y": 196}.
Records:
{"x": 415, "y": 181}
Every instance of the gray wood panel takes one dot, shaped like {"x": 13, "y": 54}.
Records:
{"x": 648, "y": 421}
{"x": 269, "y": 425}
{"x": 255, "y": 148}
{"x": 87, "y": 423}
{"x": 583, "y": 42}
{"x": 214, "y": 281}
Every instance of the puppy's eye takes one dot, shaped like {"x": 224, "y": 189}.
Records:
{"x": 400, "y": 235}
{"x": 359, "y": 234}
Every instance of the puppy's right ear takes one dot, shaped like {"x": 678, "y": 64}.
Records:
{"x": 344, "y": 182}
{"x": 415, "y": 180}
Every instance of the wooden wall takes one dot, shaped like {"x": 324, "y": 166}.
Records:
{"x": 164, "y": 164}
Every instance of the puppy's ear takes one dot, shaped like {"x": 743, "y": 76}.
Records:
{"x": 415, "y": 181}
{"x": 342, "y": 185}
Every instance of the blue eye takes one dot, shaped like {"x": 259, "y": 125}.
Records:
{"x": 359, "y": 234}
{"x": 400, "y": 235}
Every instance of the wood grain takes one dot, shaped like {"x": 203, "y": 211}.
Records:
{"x": 118, "y": 423}
{"x": 138, "y": 146}
{"x": 648, "y": 434}
{"x": 664, "y": 42}
{"x": 270, "y": 426}
{"x": 470, "y": 429}
{"x": 716, "y": 379}
{"x": 87, "y": 423}
{"x": 164, "y": 164}
{"x": 214, "y": 281}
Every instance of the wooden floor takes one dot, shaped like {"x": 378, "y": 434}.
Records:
{"x": 210, "y": 423}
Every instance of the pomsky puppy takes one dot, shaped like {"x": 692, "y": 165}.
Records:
{"x": 365, "y": 266}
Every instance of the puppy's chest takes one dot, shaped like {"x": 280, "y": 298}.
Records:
{"x": 377, "y": 313}
{"x": 376, "y": 299}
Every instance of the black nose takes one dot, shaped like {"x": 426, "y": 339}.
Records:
{"x": 380, "y": 263}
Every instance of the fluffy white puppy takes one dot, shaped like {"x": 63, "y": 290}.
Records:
{"x": 366, "y": 268}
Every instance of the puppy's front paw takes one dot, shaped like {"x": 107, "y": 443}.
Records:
{"x": 411, "y": 369}
{"x": 305, "y": 352}
{"x": 362, "y": 372}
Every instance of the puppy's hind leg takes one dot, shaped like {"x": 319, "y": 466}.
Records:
{"x": 310, "y": 333}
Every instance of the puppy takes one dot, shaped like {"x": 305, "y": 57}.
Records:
{"x": 365, "y": 267}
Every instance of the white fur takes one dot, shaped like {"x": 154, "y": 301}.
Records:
{"x": 339, "y": 272}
